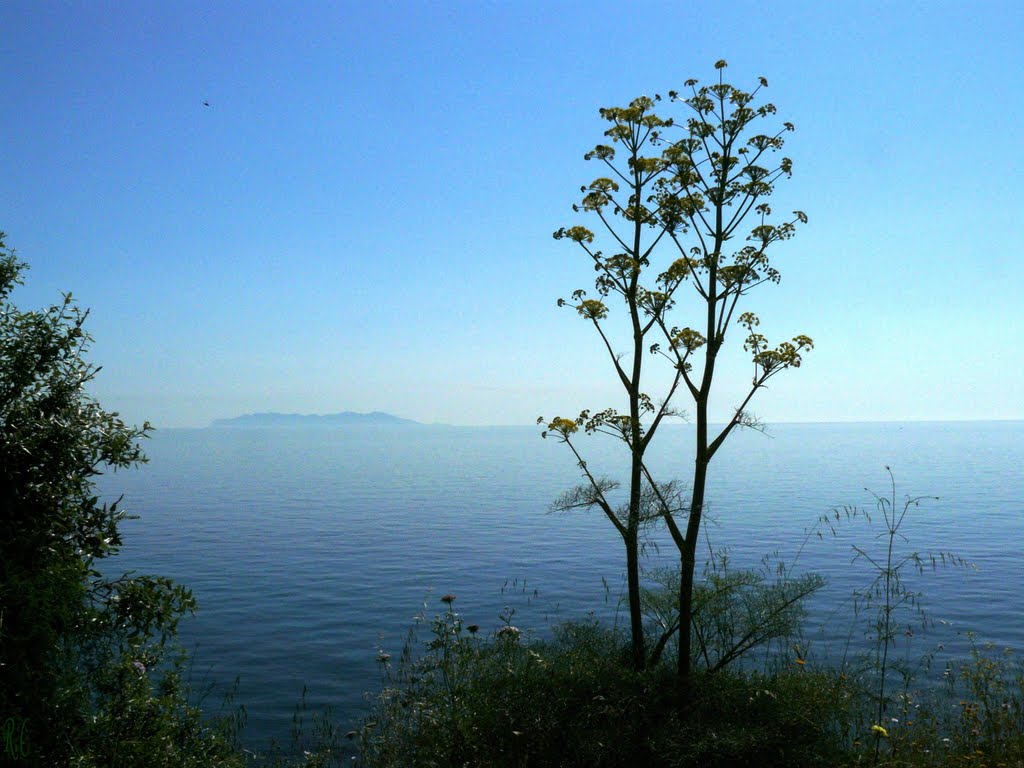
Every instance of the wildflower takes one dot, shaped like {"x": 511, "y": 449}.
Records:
{"x": 383, "y": 658}
{"x": 881, "y": 730}
{"x": 801, "y": 662}
{"x": 473, "y": 628}
{"x": 509, "y": 631}
{"x": 139, "y": 667}
{"x": 448, "y": 599}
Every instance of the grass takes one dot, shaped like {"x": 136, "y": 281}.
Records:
{"x": 504, "y": 700}
{"x": 573, "y": 701}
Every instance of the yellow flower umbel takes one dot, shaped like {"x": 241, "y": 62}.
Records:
{"x": 881, "y": 730}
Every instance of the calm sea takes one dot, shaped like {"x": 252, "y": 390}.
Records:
{"x": 309, "y": 549}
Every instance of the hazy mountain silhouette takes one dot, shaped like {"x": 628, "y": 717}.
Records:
{"x": 345, "y": 418}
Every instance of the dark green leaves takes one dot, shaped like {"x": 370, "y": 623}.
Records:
{"x": 65, "y": 627}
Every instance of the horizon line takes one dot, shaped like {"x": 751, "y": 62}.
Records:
{"x": 416, "y": 423}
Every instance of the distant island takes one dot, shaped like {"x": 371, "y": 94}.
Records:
{"x": 346, "y": 418}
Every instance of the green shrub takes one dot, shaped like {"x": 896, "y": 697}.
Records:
{"x": 505, "y": 699}
{"x": 79, "y": 650}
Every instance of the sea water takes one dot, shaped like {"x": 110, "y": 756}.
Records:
{"x": 311, "y": 549}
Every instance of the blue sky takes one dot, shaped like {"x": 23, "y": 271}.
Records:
{"x": 361, "y": 219}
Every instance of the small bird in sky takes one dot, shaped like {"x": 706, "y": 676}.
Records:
{"x": 206, "y": 103}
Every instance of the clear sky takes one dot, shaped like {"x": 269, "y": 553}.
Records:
{"x": 361, "y": 218}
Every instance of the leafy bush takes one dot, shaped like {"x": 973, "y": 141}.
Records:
{"x": 80, "y": 651}
{"x": 734, "y": 611}
{"x": 505, "y": 699}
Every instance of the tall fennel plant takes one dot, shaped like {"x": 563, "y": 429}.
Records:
{"x": 894, "y": 593}
{"x": 692, "y": 199}
{"x": 890, "y": 596}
